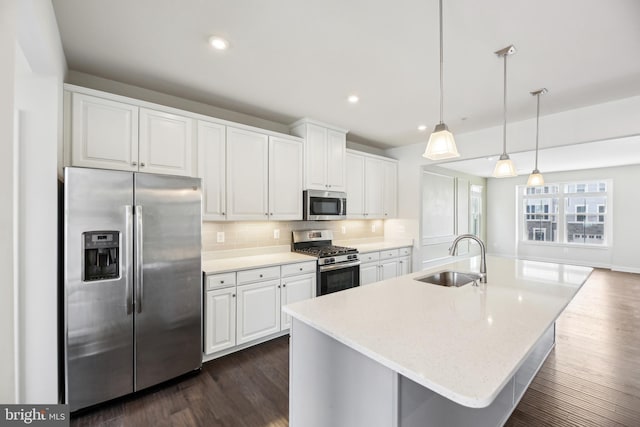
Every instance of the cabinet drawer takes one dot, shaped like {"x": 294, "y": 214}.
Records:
{"x": 299, "y": 268}
{"x": 393, "y": 253}
{"x": 405, "y": 251}
{"x": 220, "y": 280}
{"x": 369, "y": 257}
{"x": 259, "y": 274}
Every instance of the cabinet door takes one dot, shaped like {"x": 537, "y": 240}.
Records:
{"x": 211, "y": 168}
{"x": 258, "y": 310}
{"x": 294, "y": 289}
{"x": 316, "y": 157}
{"x": 374, "y": 188}
{"x": 104, "y": 133}
{"x": 285, "y": 179}
{"x": 388, "y": 269}
{"x": 336, "y": 160}
{"x": 368, "y": 273}
{"x": 404, "y": 266}
{"x": 220, "y": 320}
{"x": 390, "y": 199}
{"x": 247, "y": 175}
{"x": 355, "y": 186}
{"x": 166, "y": 143}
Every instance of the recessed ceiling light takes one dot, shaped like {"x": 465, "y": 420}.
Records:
{"x": 353, "y": 99}
{"x": 218, "y": 43}
{"x": 422, "y": 128}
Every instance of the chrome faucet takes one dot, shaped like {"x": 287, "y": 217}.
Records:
{"x": 483, "y": 253}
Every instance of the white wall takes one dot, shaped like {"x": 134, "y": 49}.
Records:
{"x": 625, "y": 205}
{"x": 30, "y": 46}
{"x": 7, "y": 214}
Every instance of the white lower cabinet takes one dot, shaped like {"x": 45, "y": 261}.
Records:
{"x": 258, "y": 310}
{"x": 220, "y": 312}
{"x": 383, "y": 265}
{"x": 245, "y": 307}
{"x": 294, "y": 289}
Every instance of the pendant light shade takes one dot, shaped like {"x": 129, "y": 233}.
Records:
{"x": 441, "y": 144}
{"x": 505, "y": 167}
{"x": 536, "y": 179}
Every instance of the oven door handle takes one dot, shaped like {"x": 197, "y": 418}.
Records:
{"x": 339, "y": 266}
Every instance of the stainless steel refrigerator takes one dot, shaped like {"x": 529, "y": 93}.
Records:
{"x": 132, "y": 282}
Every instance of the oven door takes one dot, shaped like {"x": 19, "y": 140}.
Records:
{"x": 338, "y": 277}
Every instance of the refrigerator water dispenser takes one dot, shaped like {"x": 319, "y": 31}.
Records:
{"x": 101, "y": 255}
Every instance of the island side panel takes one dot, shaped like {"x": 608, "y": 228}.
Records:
{"x": 331, "y": 384}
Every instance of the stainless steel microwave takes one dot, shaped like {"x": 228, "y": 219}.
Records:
{"x": 319, "y": 205}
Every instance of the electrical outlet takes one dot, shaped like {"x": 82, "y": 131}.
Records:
{"x": 276, "y": 233}
{"x": 220, "y": 237}
{"x": 343, "y": 229}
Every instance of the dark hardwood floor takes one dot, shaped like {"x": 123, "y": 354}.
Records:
{"x": 591, "y": 378}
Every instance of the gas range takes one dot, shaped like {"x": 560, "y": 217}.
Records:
{"x": 318, "y": 243}
{"x": 338, "y": 266}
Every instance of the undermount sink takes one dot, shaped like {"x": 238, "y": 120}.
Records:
{"x": 450, "y": 278}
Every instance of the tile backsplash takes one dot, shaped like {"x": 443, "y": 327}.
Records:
{"x": 242, "y": 235}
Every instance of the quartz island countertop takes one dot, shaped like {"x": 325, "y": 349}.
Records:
{"x": 463, "y": 343}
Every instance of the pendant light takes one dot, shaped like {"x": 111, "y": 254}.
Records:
{"x": 441, "y": 144}
{"x": 536, "y": 179}
{"x": 505, "y": 167}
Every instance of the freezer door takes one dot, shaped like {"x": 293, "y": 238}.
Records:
{"x": 98, "y": 312}
{"x": 168, "y": 290}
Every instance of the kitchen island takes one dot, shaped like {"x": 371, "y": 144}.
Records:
{"x": 406, "y": 353}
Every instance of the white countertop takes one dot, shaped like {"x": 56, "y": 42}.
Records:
{"x": 222, "y": 265}
{"x": 463, "y": 343}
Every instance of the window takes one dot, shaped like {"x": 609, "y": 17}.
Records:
{"x": 574, "y": 213}
{"x": 476, "y": 210}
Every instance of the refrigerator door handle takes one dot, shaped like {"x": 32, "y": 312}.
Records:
{"x": 139, "y": 255}
{"x": 127, "y": 265}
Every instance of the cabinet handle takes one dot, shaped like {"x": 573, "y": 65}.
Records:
{"x": 142, "y": 164}
{"x": 223, "y": 213}
{"x": 271, "y": 213}
{"x": 261, "y": 275}
{"x": 278, "y": 286}
{"x": 221, "y": 281}
{"x": 134, "y": 164}
{"x": 233, "y": 295}
{"x": 300, "y": 268}
{"x": 266, "y": 213}
{"x": 284, "y": 285}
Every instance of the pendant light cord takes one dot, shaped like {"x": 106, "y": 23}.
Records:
{"x": 504, "y": 127}
{"x": 537, "y": 128}
{"x": 441, "y": 73}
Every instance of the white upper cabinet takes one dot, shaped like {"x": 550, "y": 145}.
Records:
{"x": 115, "y": 135}
{"x": 390, "y": 201}
{"x": 166, "y": 142}
{"x": 247, "y": 175}
{"x": 374, "y": 188}
{"x": 336, "y": 146}
{"x": 371, "y": 186}
{"x": 264, "y": 176}
{"x": 355, "y": 185}
{"x": 324, "y": 155}
{"x": 104, "y": 133}
{"x": 212, "y": 169}
{"x": 285, "y": 179}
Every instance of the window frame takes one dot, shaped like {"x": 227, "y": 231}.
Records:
{"x": 559, "y": 191}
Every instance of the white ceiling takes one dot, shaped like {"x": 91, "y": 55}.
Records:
{"x": 589, "y": 155}
{"x": 290, "y": 59}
